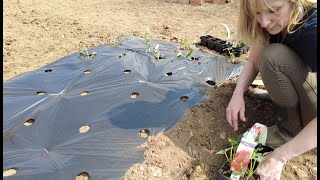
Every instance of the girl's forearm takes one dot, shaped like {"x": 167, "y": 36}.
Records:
{"x": 250, "y": 70}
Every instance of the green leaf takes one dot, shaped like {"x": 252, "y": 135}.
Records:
{"x": 260, "y": 157}
{"x": 189, "y": 53}
{"x": 232, "y": 141}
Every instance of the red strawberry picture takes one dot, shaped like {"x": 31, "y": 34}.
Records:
{"x": 240, "y": 161}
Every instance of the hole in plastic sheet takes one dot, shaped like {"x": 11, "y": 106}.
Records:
{"x": 83, "y": 176}
{"x": 10, "y": 172}
{"x": 87, "y": 71}
{"x": 184, "y": 98}
{"x": 160, "y": 57}
{"x": 210, "y": 82}
{"x": 194, "y": 58}
{"x": 84, "y": 129}
{"x": 134, "y": 95}
{"x": 41, "y": 93}
{"x": 29, "y": 122}
{"x": 144, "y": 133}
{"x": 169, "y": 74}
{"x": 84, "y": 93}
{"x": 87, "y": 55}
{"x": 127, "y": 71}
{"x": 48, "y": 70}
{"x": 122, "y": 55}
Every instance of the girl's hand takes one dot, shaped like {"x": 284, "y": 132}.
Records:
{"x": 236, "y": 106}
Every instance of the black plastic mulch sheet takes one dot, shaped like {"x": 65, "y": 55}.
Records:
{"x": 45, "y": 109}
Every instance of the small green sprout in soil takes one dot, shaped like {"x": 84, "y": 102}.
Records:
{"x": 232, "y": 58}
{"x": 155, "y": 51}
{"x": 84, "y": 53}
{"x": 186, "y": 45}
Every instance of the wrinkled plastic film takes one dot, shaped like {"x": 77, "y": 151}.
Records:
{"x": 51, "y": 97}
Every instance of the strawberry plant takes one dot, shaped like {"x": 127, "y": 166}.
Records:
{"x": 231, "y": 54}
{"x": 155, "y": 51}
{"x": 83, "y": 51}
{"x": 229, "y": 152}
{"x": 186, "y": 45}
{"x": 239, "y": 162}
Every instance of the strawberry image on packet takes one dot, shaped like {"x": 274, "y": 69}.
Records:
{"x": 241, "y": 160}
{"x": 242, "y": 156}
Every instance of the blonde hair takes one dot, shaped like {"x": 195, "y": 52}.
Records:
{"x": 249, "y": 30}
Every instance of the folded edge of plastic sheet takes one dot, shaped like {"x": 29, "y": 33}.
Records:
{"x": 113, "y": 92}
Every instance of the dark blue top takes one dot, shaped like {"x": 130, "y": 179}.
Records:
{"x": 304, "y": 40}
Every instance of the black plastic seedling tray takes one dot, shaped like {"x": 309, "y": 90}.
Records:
{"x": 220, "y": 46}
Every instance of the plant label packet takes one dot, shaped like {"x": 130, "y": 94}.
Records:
{"x": 245, "y": 149}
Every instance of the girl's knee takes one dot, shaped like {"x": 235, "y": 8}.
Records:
{"x": 272, "y": 55}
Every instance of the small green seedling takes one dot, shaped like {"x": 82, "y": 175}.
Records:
{"x": 179, "y": 54}
{"x": 149, "y": 48}
{"x": 117, "y": 41}
{"x": 232, "y": 56}
{"x": 229, "y": 152}
{"x": 155, "y": 51}
{"x": 83, "y": 51}
{"x": 256, "y": 157}
{"x": 186, "y": 45}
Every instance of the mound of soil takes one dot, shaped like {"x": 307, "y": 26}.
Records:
{"x": 190, "y": 151}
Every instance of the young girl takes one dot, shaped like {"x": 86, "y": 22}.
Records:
{"x": 283, "y": 39}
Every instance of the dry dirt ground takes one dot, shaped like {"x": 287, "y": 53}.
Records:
{"x": 38, "y": 32}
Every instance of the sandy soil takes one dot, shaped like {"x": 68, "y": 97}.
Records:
{"x": 37, "y": 33}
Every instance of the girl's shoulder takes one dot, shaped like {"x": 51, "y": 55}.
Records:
{"x": 308, "y": 23}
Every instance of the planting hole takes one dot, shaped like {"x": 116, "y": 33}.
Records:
{"x": 87, "y": 71}
{"x": 210, "y": 82}
{"x": 134, "y": 95}
{"x": 84, "y": 93}
{"x": 184, "y": 98}
{"x": 92, "y": 54}
{"x": 169, "y": 74}
{"x": 41, "y": 93}
{"x": 127, "y": 71}
{"x": 48, "y": 70}
{"x": 84, "y": 129}
{"x": 144, "y": 133}
{"x": 194, "y": 58}
{"x": 29, "y": 122}
{"x": 89, "y": 55}
{"x": 83, "y": 176}
{"x": 122, "y": 55}
{"x": 160, "y": 57}
{"x": 10, "y": 172}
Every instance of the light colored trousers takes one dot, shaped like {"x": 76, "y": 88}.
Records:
{"x": 291, "y": 86}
